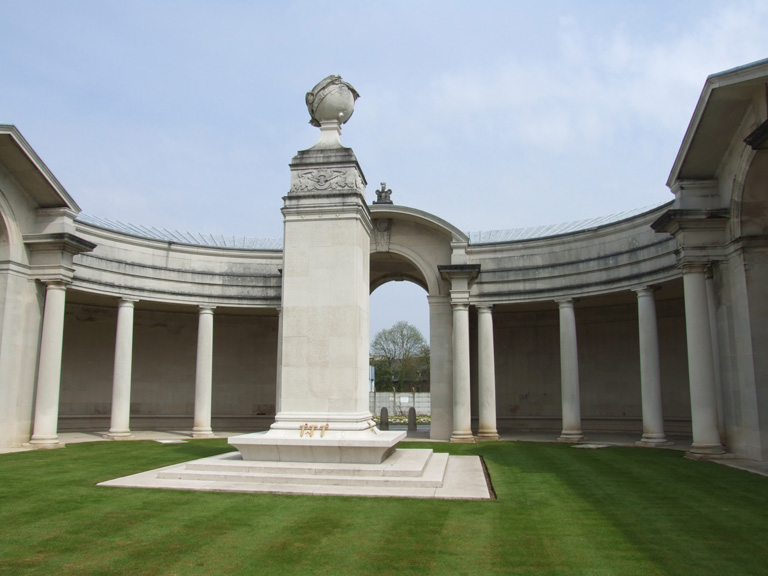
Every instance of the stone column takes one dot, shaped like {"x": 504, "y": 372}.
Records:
{"x": 569, "y": 374}
{"x": 121, "y": 378}
{"x": 486, "y": 372}
{"x": 650, "y": 372}
{"x": 441, "y": 366}
{"x": 462, "y": 415}
{"x": 701, "y": 372}
{"x": 278, "y": 387}
{"x": 712, "y": 308}
{"x": 49, "y": 370}
{"x": 204, "y": 374}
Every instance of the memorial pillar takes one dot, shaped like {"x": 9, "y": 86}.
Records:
{"x": 486, "y": 372}
{"x": 701, "y": 371}
{"x": 121, "y": 378}
{"x": 49, "y": 368}
{"x": 204, "y": 374}
{"x": 569, "y": 374}
{"x": 650, "y": 373}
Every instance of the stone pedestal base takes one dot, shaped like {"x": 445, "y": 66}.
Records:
{"x": 405, "y": 474}
{"x": 349, "y": 446}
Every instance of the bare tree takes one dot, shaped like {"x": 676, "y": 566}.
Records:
{"x": 401, "y": 357}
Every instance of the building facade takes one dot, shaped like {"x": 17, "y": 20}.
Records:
{"x": 651, "y": 322}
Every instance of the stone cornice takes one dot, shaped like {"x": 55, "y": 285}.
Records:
{"x": 62, "y": 241}
{"x": 453, "y": 271}
{"x": 676, "y": 220}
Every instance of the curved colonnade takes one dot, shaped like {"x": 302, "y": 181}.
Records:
{"x": 650, "y": 324}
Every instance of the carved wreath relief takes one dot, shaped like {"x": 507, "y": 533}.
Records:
{"x": 325, "y": 179}
{"x": 382, "y": 231}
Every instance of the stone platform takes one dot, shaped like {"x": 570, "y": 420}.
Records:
{"x": 405, "y": 474}
{"x": 348, "y": 446}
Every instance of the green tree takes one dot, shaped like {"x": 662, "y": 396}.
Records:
{"x": 400, "y": 356}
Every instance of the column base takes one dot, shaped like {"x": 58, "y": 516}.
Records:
{"x": 706, "y": 450}
{"x": 571, "y": 436}
{"x": 119, "y": 435}
{"x": 462, "y": 438}
{"x": 203, "y": 433}
{"x": 40, "y": 441}
{"x": 487, "y": 435}
{"x": 653, "y": 441}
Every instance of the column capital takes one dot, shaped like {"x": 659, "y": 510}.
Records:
{"x": 460, "y": 306}
{"x": 438, "y": 300}
{"x": 124, "y": 301}
{"x": 57, "y": 284}
{"x": 645, "y": 291}
{"x": 461, "y": 276}
{"x": 565, "y": 302}
{"x": 484, "y": 308}
{"x": 206, "y": 308}
{"x": 694, "y": 266}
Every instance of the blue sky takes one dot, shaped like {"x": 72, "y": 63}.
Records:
{"x": 492, "y": 115}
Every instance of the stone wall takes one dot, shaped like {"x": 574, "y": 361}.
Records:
{"x": 528, "y": 368}
{"x": 164, "y": 356}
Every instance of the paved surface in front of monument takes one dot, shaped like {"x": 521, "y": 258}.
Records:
{"x": 416, "y": 473}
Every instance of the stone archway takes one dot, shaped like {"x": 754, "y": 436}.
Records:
{"x": 408, "y": 244}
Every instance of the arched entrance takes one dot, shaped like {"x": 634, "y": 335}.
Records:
{"x": 408, "y": 244}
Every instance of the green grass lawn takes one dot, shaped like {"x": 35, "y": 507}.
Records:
{"x": 616, "y": 511}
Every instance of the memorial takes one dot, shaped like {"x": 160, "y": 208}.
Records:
{"x": 323, "y": 411}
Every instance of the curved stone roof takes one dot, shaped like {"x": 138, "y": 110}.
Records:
{"x": 249, "y": 243}
{"x": 177, "y": 237}
{"x": 535, "y": 232}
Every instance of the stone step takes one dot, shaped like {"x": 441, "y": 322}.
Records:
{"x": 401, "y": 463}
{"x": 463, "y": 478}
{"x": 432, "y": 476}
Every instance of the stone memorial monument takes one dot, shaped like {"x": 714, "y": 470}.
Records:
{"x": 324, "y": 439}
{"x": 322, "y": 405}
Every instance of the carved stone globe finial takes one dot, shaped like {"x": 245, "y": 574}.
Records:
{"x": 331, "y": 99}
{"x": 330, "y": 103}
